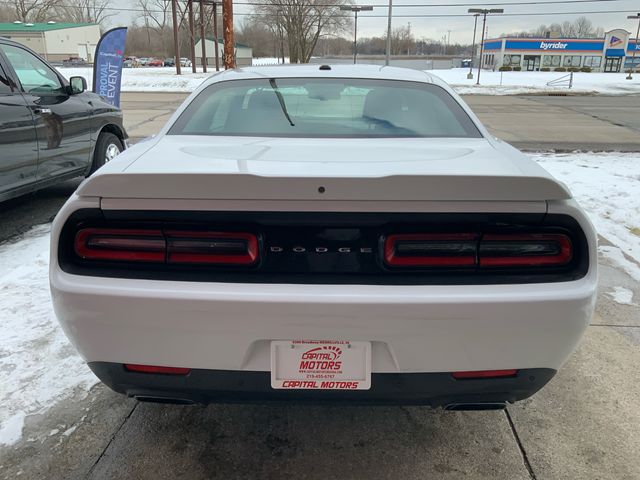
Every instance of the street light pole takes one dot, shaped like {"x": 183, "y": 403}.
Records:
{"x": 484, "y": 12}
{"x": 387, "y": 52}
{"x": 633, "y": 57}
{"x": 355, "y": 9}
{"x": 473, "y": 46}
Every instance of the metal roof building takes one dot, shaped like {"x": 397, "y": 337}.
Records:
{"x": 55, "y": 41}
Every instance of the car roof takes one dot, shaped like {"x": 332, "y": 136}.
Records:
{"x": 379, "y": 72}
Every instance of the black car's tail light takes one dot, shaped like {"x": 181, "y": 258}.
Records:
{"x": 431, "y": 250}
{"x": 172, "y": 246}
{"x": 525, "y": 250}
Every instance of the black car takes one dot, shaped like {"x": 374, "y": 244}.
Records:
{"x": 51, "y": 129}
{"x": 169, "y": 62}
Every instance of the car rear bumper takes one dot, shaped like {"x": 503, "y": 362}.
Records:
{"x": 221, "y": 386}
{"x": 412, "y": 329}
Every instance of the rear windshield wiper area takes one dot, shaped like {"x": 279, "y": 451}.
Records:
{"x": 283, "y": 106}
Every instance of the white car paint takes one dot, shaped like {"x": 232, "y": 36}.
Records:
{"x": 418, "y": 328}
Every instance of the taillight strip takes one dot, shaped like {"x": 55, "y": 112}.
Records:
{"x": 212, "y": 247}
{"x": 431, "y": 249}
{"x": 135, "y": 245}
{"x": 171, "y": 246}
{"x": 525, "y": 250}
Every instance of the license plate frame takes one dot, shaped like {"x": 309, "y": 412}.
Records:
{"x": 320, "y": 365}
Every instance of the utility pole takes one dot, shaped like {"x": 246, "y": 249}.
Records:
{"x": 176, "y": 45}
{"x": 227, "y": 32}
{"x": 484, "y": 12}
{"x": 203, "y": 39}
{"x": 633, "y": 56}
{"x": 387, "y": 52}
{"x": 355, "y": 9}
{"x": 192, "y": 36}
{"x": 215, "y": 34}
{"x": 473, "y": 46}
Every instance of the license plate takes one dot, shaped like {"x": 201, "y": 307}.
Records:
{"x": 321, "y": 365}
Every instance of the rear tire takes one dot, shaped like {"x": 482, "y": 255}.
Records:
{"x": 107, "y": 148}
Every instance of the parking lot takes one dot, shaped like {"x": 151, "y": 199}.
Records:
{"x": 584, "y": 425}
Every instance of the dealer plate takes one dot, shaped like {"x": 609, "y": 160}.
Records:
{"x": 321, "y": 365}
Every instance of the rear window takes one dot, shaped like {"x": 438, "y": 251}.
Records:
{"x": 312, "y": 107}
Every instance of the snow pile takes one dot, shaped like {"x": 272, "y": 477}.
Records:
{"x": 164, "y": 79}
{"x": 622, "y": 295}
{"x": 512, "y": 83}
{"x": 148, "y": 79}
{"x": 607, "y": 186}
{"x": 37, "y": 364}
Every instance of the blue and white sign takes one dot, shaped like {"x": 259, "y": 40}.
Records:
{"x": 107, "y": 67}
{"x": 554, "y": 45}
{"x": 633, "y": 46}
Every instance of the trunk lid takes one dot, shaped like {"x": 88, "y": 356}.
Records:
{"x": 241, "y": 168}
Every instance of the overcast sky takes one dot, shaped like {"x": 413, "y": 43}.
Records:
{"x": 374, "y": 23}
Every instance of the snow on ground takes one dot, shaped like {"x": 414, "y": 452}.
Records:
{"x": 622, "y": 295}
{"x": 164, "y": 79}
{"x": 607, "y": 186}
{"x": 511, "y": 83}
{"x": 38, "y": 366}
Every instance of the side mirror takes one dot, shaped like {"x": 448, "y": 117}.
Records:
{"x": 78, "y": 85}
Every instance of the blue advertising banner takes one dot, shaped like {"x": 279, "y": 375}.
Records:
{"x": 633, "y": 45}
{"x": 107, "y": 66}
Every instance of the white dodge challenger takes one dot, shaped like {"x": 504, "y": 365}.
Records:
{"x": 324, "y": 233}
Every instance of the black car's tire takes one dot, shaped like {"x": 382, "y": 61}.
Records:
{"x": 107, "y": 147}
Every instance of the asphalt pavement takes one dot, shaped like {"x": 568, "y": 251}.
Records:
{"x": 584, "y": 425}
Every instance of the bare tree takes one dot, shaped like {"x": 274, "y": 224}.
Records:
{"x": 265, "y": 40}
{"x": 304, "y": 22}
{"x": 35, "y": 11}
{"x": 155, "y": 13}
{"x": 6, "y": 14}
{"x": 582, "y": 27}
{"x": 85, "y": 11}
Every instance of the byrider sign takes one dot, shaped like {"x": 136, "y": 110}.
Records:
{"x": 553, "y": 46}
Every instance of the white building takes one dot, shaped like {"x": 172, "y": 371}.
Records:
{"x": 613, "y": 53}
{"x": 244, "y": 53}
{"x": 55, "y": 41}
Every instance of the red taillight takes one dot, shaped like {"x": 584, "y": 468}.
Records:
{"x": 525, "y": 250}
{"x": 471, "y": 249}
{"x": 485, "y": 374}
{"x": 173, "y": 246}
{"x": 118, "y": 244}
{"x": 212, "y": 247}
{"x": 155, "y": 369}
{"x": 431, "y": 250}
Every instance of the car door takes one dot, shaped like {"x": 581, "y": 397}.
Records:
{"x": 18, "y": 141}
{"x": 63, "y": 121}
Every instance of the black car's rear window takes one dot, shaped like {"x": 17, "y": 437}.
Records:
{"x": 316, "y": 107}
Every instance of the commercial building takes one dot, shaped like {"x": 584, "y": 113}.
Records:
{"x": 55, "y": 41}
{"x": 613, "y": 53}
{"x": 244, "y": 53}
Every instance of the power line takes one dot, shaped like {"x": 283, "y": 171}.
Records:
{"x": 435, "y": 15}
{"x": 412, "y": 5}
